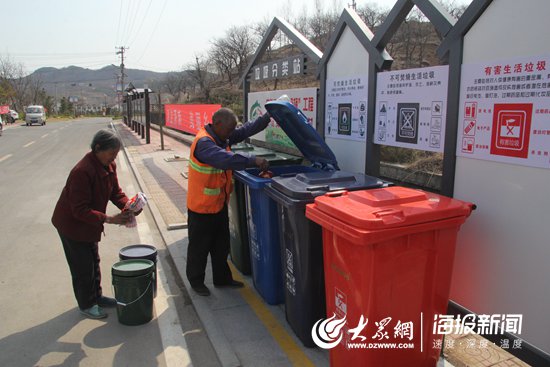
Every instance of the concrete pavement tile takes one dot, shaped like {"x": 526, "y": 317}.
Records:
{"x": 226, "y": 298}
{"x": 232, "y": 317}
{"x": 269, "y": 354}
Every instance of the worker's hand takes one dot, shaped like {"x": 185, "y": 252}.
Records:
{"x": 266, "y": 118}
{"x": 120, "y": 218}
{"x": 262, "y": 163}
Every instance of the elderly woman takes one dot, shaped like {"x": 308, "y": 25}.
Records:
{"x": 79, "y": 217}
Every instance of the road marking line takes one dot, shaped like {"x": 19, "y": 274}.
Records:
{"x": 5, "y": 157}
{"x": 43, "y": 136}
{"x": 293, "y": 351}
{"x": 29, "y": 144}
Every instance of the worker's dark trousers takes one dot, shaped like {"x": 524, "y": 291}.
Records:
{"x": 83, "y": 259}
{"x": 208, "y": 234}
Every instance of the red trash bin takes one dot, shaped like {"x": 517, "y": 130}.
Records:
{"x": 388, "y": 256}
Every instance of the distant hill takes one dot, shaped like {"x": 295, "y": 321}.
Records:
{"x": 93, "y": 87}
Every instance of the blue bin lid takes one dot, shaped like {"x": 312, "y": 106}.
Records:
{"x": 303, "y": 135}
{"x": 308, "y": 185}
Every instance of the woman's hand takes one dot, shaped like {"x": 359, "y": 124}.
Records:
{"x": 120, "y": 218}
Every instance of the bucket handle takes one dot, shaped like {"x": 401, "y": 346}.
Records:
{"x": 137, "y": 299}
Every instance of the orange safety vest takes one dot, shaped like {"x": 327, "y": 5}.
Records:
{"x": 208, "y": 187}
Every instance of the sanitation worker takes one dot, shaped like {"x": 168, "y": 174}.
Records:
{"x": 79, "y": 217}
{"x": 210, "y": 171}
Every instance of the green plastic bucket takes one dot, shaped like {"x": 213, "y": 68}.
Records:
{"x": 141, "y": 251}
{"x": 133, "y": 287}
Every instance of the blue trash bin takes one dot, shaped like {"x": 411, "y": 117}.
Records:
{"x": 263, "y": 231}
{"x": 238, "y": 230}
{"x": 262, "y": 215}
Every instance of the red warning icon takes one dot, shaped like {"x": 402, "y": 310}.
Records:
{"x": 468, "y": 145}
{"x": 470, "y": 110}
{"x": 511, "y": 129}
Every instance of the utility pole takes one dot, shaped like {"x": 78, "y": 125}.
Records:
{"x": 120, "y": 52}
{"x": 55, "y": 109}
{"x": 353, "y": 5}
{"x": 161, "y": 123}
{"x": 117, "y": 94}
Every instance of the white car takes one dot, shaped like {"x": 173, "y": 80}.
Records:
{"x": 14, "y": 115}
{"x": 35, "y": 115}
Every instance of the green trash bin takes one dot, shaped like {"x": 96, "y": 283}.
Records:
{"x": 238, "y": 229}
{"x": 133, "y": 287}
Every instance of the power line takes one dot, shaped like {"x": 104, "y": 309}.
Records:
{"x": 119, "y": 17}
{"x": 104, "y": 61}
{"x": 126, "y": 20}
{"x": 55, "y": 55}
{"x": 129, "y": 34}
{"x": 141, "y": 23}
{"x": 154, "y": 29}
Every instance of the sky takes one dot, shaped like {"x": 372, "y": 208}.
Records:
{"x": 161, "y": 35}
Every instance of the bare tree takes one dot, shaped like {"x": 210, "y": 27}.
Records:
{"x": 6, "y": 90}
{"x": 222, "y": 59}
{"x": 15, "y": 82}
{"x": 18, "y": 88}
{"x": 201, "y": 73}
{"x": 372, "y": 15}
{"x": 36, "y": 92}
{"x": 230, "y": 53}
{"x": 300, "y": 22}
{"x": 322, "y": 24}
{"x": 260, "y": 28}
{"x": 176, "y": 84}
{"x": 422, "y": 34}
{"x": 454, "y": 9}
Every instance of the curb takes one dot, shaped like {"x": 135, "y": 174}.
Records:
{"x": 226, "y": 354}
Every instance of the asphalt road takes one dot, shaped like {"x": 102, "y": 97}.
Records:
{"x": 39, "y": 321}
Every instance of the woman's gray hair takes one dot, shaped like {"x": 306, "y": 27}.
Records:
{"x": 105, "y": 139}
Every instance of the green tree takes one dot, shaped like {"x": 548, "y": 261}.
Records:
{"x": 66, "y": 107}
{"x": 48, "y": 103}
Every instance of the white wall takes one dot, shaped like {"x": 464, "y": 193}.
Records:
{"x": 503, "y": 255}
{"x": 349, "y": 58}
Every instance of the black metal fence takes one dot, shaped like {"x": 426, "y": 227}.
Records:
{"x": 137, "y": 112}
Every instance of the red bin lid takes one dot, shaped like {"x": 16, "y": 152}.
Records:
{"x": 389, "y": 207}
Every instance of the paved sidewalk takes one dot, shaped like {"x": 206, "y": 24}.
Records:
{"x": 243, "y": 330}
{"x": 161, "y": 173}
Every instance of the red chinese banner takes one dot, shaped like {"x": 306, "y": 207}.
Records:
{"x": 189, "y": 118}
{"x": 4, "y": 110}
